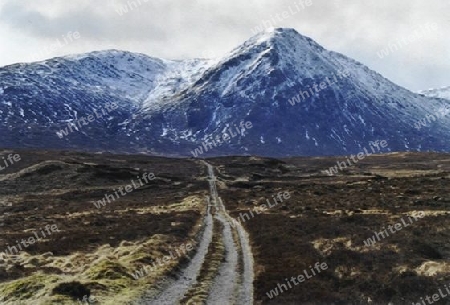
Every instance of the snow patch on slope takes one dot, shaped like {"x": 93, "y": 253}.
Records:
{"x": 177, "y": 76}
{"x": 443, "y": 92}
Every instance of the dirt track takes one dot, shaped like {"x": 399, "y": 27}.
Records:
{"x": 232, "y": 278}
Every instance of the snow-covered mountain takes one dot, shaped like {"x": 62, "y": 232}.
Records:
{"x": 300, "y": 98}
{"x": 443, "y": 92}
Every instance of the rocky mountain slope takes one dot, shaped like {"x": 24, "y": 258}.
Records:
{"x": 299, "y": 98}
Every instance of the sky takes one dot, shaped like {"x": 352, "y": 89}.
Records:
{"x": 411, "y": 32}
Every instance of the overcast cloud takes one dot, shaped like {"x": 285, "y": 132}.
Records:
{"x": 178, "y": 29}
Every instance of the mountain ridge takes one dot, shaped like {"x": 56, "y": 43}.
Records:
{"x": 443, "y": 92}
{"x": 169, "y": 107}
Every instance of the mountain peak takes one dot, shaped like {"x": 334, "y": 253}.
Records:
{"x": 280, "y": 31}
{"x": 273, "y": 34}
{"x": 282, "y": 38}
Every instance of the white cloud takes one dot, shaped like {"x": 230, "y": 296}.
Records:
{"x": 183, "y": 29}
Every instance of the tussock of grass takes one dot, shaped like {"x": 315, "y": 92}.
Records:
{"x": 26, "y": 288}
{"x": 108, "y": 270}
{"x": 433, "y": 268}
